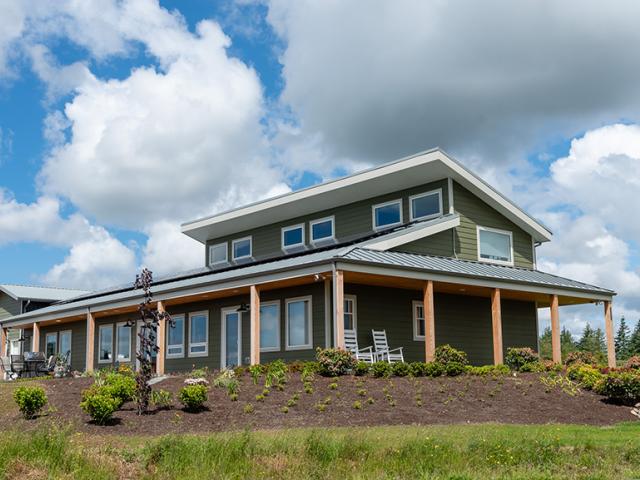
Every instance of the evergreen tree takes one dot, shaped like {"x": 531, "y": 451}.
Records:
{"x": 622, "y": 340}
{"x": 544, "y": 343}
{"x": 567, "y": 344}
{"x": 592, "y": 341}
{"x": 634, "y": 341}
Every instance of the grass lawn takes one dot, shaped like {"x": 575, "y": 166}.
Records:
{"x": 454, "y": 452}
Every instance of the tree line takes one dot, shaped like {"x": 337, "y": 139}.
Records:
{"x": 592, "y": 340}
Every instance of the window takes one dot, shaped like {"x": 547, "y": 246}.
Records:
{"x": 322, "y": 229}
{"x": 105, "y": 344}
{"x": 270, "y": 327}
{"x": 241, "y": 248}
{"x": 175, "y": 338}
{"x": 293, "y": 236}
{"x": 123, "y": 342}
{"x": 298, "y": 324}
{"x": 198, "y": 334}
{"x": 65, "y": 344}
{"x": 218, "y": 254}
{"x": 418, "y": 321}
{"x": 426, "y": 205}
{"x": 51, "y": 344}
{"x": 495, "y": 246}
{"x": 350, "y": 312}
{"x": 387, "y": 214}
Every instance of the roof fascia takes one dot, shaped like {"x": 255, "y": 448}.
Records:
{"x": 401, "y": 238}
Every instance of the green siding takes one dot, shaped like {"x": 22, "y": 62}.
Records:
{"x": 351, "y": 221}
{"x": 440, "y": 244}
{"x": 8, "y": 306}
{"x": 78, "y": 341}
{"x": 473, "y": 212}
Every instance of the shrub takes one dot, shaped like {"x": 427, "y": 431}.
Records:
{"x": 334, "y": 362}
{"x": 433, "y": 369}
{"x": 587, "y": 358}
{"x": 248, "y": 408}
{"x": 227, "y": 379}
{"x": 121, "y": 387}
{"x": 30, "y": 400}
{"x": 193, "y": 397}
{"x": 586, "y": 375}
{"x": 488, "y": 370}
{"x": 381, "y": 369}
{"x": 239, "y": 371}
{"x": 361, "y": 369}
{"x": 453, "y": 369}
{"x": 199, "y": 372}
{"x": 309, "y": 371}
{"x": 517, "y": 357}
{"x": 633, "y": 362}
{"x": 161, "y": 398}
{"x": 418, "y": 369}
{"x": 621, "y": 387}
{"x": 197, "y": 381}
{"x": 401, "y": 369}
{"x": 277, "y": 372}
{"x": 537, "y": 367}
{"x": 125, "y": 369}
{"x": 100, "y": 406}
{"x": 256, "y": 371}
{"x": 446, "y": 354}
{"x": 296, "y": 366}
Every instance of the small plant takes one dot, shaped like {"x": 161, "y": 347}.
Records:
{"x": 199, "y": 373}
{"x": 362, "y": 392}
{"x": 357, "y": 405}
{"x": 280, "y": 387}
{"x": 327, "y": 401}
{"x": 633, "y": 363}
{"x": 334, "y": 362}
{"x": 433, "y": 369}
{"x": 446, "y": 354}
{"x": 233, "y": 397}
{"x": 256, "y": 372}
{"x": 488, "y": 370}
{"x": 370, "y": 401}
{"x": 401, "y": 369}
{"x": 308, "y": 389}
{"x": 30, "y": 400}
{"x": 227, "y": 379}
{"x": 284, "y": 409}
{"x": 454, "y": 369}
{"x": 193, "y": 397}
{"x": 265, "y": 392}
{"x": 361, "y": 369}
{"x": 517, "y": 357}
{"x": 277, "y": 372}
{"x": 381, "y": 369}
{"x": 535, "y": 367}
{"x": 248, "y": 408}
{"x": 418, "y": 369}
{"x": 296, "y": 396}
{"x": 291, "y": 402}
{"x": 321, "y": 407}
{"x": 623, "y": 387}
{"x": 161, "y": 399}
{"x": 197, "y": 381}
{"x": 586, "y": 375}
{"x": 239, "y": 371}
{"x": 259, "y": 398}
{"x": 100, "y": 407}
{"x": 333, "y": 386}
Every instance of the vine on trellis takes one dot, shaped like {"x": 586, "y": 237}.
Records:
{"x": 150, "y": 319}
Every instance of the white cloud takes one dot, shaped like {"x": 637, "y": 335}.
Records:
{"x": 168, "y": 250}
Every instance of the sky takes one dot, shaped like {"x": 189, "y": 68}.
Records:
{"x": 119, "y": 120}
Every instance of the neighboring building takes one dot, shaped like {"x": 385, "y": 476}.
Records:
{"x": 19, "y": 299}
{"x": 420, "y": 247}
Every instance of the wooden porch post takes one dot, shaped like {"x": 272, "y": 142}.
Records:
{"x": 91, "y": 331}
{"x": 496, "y": 322}
{"x": 556, "y": 352}
{"x": 3, "y": 342}
{"x": 608, "y": 324}
{"x": 429, "y": 321}
{"x": 339, "y": 308}
{"x": 35, "y": 339}
{"x": 162, "y": 341}
{"x": 254, "y": 312}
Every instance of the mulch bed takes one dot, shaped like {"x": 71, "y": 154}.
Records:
{"x": 465, "y": 399}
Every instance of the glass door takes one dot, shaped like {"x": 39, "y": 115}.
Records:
{"x": 153, "y": 354}
{"x": 65, "y": 345}
{"x": 231, "y": 337}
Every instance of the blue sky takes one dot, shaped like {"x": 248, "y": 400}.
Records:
{"x": 102, "y": 109}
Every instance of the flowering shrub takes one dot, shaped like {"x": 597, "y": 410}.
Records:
{"x": 633, "y": 362}
{"x": 586, "y": 375}
{"x": 517, "y": 357}
{"x": 334, "y": 361}
{"x": 227, "y": 379}
{"x": 621, "y": 387}
{"x": 446, "y": 354}
{"x": 197, "y": 381}
{"x": 587, "y": 358}
{"x": 30, "y": 400}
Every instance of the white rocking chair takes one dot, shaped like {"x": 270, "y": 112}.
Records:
{"x": 383, "y": 352}
{"x": 351, "y": 343}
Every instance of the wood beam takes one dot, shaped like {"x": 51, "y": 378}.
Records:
{"x": 338, "y": 279}
{"x": 91, "y": 333}
{"x": 429, "y": 321}
{"x": 162, "y": 341}
{"x": 556, "y": 352}
{"x": 35, "y": 339}
{"x": 496, "y": 323}
{"x": 3, "y": 342}
{"x": 608, "y": 324}
{"x": 254, "y": 312}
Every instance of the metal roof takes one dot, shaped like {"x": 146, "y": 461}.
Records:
{"x": 29, "y": 292}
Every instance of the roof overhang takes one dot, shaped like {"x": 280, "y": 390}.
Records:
{"x": 398, "y": 175}
{"x": 413, "y": 233}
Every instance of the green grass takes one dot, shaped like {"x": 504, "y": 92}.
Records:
{"x": 438, "y": 452}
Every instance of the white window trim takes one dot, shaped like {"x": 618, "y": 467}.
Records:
{"x": 55, "y": 334}
{"x": 437, "y": 191}
{"x": 331, "y": 219}
{"x": 279, "y": 347}
{"x": 283, "y": 230}
{"x": 223, "y": 336}
{"x": 181, "y": 345}
{"x": 414, "y": 305}
{"x": 100, "y": 330}
{"x": 226, "y": 253}
{"x": 309, "y": 345}
{"x": 127, "y": 359}
{"x": 373, "y": 214}
{"x": 495, "y": 230}
{"x": 70, "y": 332}
{"x": 204, "y": 313}
{"x": 353, "y": 299}
{"x": 238, "y": 240}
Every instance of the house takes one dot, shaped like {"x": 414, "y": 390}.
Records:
{"x": 19, "y": 299}
{"x": 420, "y": 247}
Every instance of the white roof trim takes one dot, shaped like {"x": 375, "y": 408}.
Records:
{"x": 415, "y": 232}
{"x": 325, "y": 195}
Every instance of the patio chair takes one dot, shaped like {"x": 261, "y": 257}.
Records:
{"x": 383, "y": 352}
{"x": 351, "y": 343}
{"x": 5, "y": 364}
{"x": 17, "y": 364}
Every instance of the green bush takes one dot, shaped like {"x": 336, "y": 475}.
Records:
{"x": 621, "y": 387}
{"x": 633, "y": 362}
{"x": 199, "y": 373}
{"x": 100, "y": 406}
{"x": 334, "y": 362}
{"x": 418, "y": 369}
{"x": 586, "y": 375}
{"x": 517, "y": 357}
{"x": 535, "y": 367}
{"x": 119, "y": 386}
{"x": 587, "y": 358}
{"x": 488, "y": 370}
{"x": 361, "y": 369}
{"x": 228, "y": 380}
{"x": 256, "y": 371}
{"x": 433, "y": 369}
{"x": 401, "y": 369}
{"x": 453, "y": 369}
{"x": 193, "y": 397}
{"x": 381, "y": 369}
{"x": 30, "y": 400}
{"x": 446, "y": 354}
{"x": 161, "y": 398}
{"x": 276, "y": 373}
